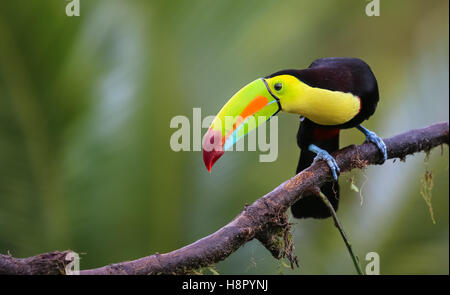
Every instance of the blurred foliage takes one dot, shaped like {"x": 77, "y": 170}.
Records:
{"x": 86, "y": 102}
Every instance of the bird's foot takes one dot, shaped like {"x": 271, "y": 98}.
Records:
{"x": 374, "y": 138}
{"x": 324, "y": 155}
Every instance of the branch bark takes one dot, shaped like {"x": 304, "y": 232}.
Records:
{"x": 52, "y": 263}
{"x": 265, "y": 219}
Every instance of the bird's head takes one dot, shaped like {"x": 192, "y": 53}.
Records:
{"x": 263, "y": 98}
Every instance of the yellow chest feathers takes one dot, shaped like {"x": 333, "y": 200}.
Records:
{"x": 322, "y": 106}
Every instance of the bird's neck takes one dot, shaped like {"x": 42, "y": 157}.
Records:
{"x": 325, "y": 107}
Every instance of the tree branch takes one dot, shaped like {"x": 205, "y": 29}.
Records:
{"x": 265, "y": 219}
{"x": 52, "y": 263}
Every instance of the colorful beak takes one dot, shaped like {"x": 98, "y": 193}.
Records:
{"x": 249, "y": 108}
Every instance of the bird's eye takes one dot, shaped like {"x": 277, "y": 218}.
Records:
{"x": 278, "y": 86}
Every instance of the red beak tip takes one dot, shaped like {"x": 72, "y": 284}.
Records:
{"x": 210, "y": 158}
{"x": 212, "y": 148}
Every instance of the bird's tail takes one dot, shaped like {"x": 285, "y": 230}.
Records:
{"x": 310, "y": 205}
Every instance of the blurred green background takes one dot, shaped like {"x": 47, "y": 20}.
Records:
{"x": 86, "y": 102}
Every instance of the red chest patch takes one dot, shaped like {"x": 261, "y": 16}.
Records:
{"x": 325, "y": 133}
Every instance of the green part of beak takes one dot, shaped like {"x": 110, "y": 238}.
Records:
{"x": 246, "y": 110}
{"x": 249, "y": 108}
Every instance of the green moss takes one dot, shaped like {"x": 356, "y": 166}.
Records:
{"x": 426, "y": 191}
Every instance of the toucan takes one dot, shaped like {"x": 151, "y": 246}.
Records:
{"x": 331, "y": 94}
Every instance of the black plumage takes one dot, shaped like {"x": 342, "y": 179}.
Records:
{"x": 349, "y": 75}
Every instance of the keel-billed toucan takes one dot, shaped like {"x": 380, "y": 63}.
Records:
{"x": 332, "y": 94}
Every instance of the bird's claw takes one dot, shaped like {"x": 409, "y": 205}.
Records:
{"x": 324, "y": 155}
{"x": 373, "y": 138}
